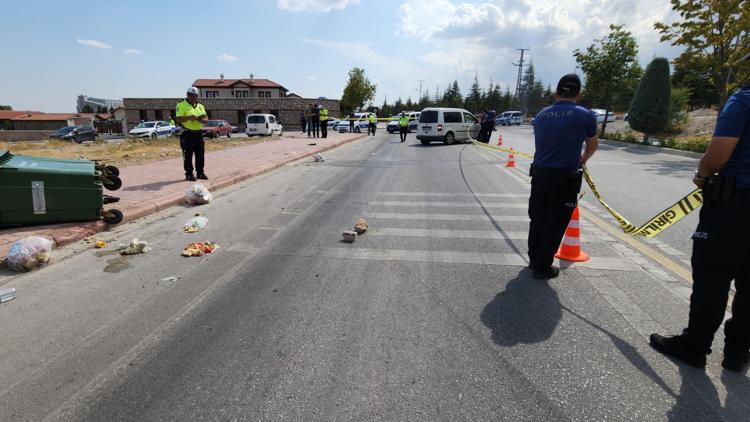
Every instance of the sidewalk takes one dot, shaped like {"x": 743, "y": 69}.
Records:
{"x": 151, "y": 187}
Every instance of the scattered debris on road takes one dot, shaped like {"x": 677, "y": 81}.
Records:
{"x": 170, "y": 279}
{"x": 349, "y": 236}
{"x": 29, "y": 253}
{"x": 319, "y": 158}
{"x": 135, "y": 247}
{"x": 7, "y": 294}
{"x": 311, "y": 144}
{"x": 200, "y": 249}
{"x": 361, "y": 226}
{"x": 198, "y": 195}
{"x": 99, "y": 244}
{"x": 195, "y": 224}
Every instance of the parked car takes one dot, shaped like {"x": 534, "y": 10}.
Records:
{"x": 216, "y": 128}
{"x": 263, "y": 124}
{"x": 332, "y": 123}
{"x": 76, "y": 133}
{"x": 392, "y": 126}
{"x": 600, "y": 115}
{"x": 360, "y": 124}
{"x": 448, "y": 125}
{"x": 153, "y": 130}
{"x": 508, "y": 118}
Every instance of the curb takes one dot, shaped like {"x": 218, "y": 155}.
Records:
{"x": 652, "y": 148}
{"x": 90, "y": 228}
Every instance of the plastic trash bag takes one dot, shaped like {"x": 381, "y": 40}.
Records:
{"x": 195, "y": 224}
{"x": 198, "y": 195}
{"x": 29, "y": 253}
{"x": 135, "y": 247}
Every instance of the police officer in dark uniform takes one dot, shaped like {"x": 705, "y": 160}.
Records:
{"x": 721, "y": 250}
{"x": 556, "y": 175}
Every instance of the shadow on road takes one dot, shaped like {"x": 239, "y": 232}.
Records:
{"x": 526, "y": 312}
{"x": 698, "y": 399}
{"x": 670, "y": 168}
{"x": 152, "y": 186}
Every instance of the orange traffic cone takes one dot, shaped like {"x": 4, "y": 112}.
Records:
{"x": 511, "y": 159}
{"x": 570, "y": 250}
{"x": 500, "y": 140}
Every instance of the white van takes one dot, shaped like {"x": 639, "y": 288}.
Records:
{"x": 508, "y": 118}
{"x": 262, "y": 124}
{"x": 449, "y": 125}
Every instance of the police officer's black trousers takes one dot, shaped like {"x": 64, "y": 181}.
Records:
{"x": 402, "y": 132}
{"x": 191, "y": 142}
{"x": 554, "y": 196}
{"x": 371, "y": 128}
{"x": 721, "y": 253}
{"x": 323, "y": 128}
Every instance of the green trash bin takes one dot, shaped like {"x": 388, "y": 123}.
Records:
{"x": 38, "y": 190}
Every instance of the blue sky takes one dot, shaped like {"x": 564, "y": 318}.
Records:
{"x": 57, "y": 50}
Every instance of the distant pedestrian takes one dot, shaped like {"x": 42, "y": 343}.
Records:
{"x": 313, "y": 121}
{"x": 191, "y": 115}
{"x": 556, "y": 174}
{"x": 403, "y": 126}
{"x": 351, "y": 123}
{"x": 323, "y": 121}
{"x": 373, "y": 124}
{"x": 303, "y": 122}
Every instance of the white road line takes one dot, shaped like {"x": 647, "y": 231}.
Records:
{"x": 449, "y": 194}
{"x": 451, "y": 234}
{"x": 449, "y": 204}
{"x": 451, "y": 257}
{"x": 446, "y": 217}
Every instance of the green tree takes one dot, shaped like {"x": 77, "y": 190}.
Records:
{"x": 649, "y": 112}
{"x": 696, "y": 78}
{"x": 507, "y": 101}
{"x": 678, "y": 108}
{"x": 610, "y": 66}
{"x": 716, "y": 34}
{"x": 87, "y": 109}
{"x": 473, "y": 101}
{"x": 452, "y": 96}
{"x": 358, "y": 91}
{"x": 6, "y": 107}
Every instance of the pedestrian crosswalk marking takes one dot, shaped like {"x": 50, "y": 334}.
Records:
{"x": 449, "y": 194}
{"x": 450, "y": 257}
{"x": 450, "y": 204}
{"x": 450, "y": 234}
{"x": 522, "y": 217}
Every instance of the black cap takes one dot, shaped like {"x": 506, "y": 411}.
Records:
{"x": 569, "y": 85}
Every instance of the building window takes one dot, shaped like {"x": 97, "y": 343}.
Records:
{"x": 143, "y": 115}
{"x": 260, "y": 94}
{"x": 159, "y": 115}
{"x": 245, "y": 94}
{"x": 268, "y": 94}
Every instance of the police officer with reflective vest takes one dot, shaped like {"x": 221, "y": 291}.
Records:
{"x": 403, "y": 126}
{"x": 556, "y": 175}
{"x": 323, "y": 121}
{"x": 191, "y": 115}
{"x": 373, "y": 124}
{"x": 721, "y": 251}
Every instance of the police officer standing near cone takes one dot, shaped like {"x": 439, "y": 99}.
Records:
{"x": 191, "y": 115}
{"x": 403, "y": 126}
{"x": 556, "y": 175}
{"x": 721, "y": 251}
{"x": 323, "y": 121}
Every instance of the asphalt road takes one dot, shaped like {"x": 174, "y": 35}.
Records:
{"x": 429, "y": 316}
{"x": 638, "y": 183}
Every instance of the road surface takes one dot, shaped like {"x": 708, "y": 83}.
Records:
{"x": 431, "y": 315}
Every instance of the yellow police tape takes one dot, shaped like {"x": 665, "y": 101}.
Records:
{"x": 655, "y": 225}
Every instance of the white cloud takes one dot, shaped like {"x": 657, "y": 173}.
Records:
{"x": 132, "y": 51}
{"x": 94, "y": 43}
{"x": 318, "y": 6}
{"x": 224, "y": 57}
{"x": 483, "y": 37}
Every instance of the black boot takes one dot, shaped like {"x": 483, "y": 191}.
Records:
{"x": 190, "y": 177}
{"x": 675, "y": 347}
{"x": 550, "y": 272}
{"x": 734, "y": 362}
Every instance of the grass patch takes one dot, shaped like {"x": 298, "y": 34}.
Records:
{"x": 123, "y": 153}
{"x": 697, "y": 143}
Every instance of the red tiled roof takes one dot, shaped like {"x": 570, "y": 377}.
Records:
{"x": 12, "y": 114}
{"x": 227, "y": 83}
{"x": 50, "y": 117}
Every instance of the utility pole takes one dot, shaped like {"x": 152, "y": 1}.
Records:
{"x": 519, "y": 65}
{"x": 420, "y": 89}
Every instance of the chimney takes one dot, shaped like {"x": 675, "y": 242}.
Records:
{"x": 252, "y": 77}
{"x": 221, "y": 76}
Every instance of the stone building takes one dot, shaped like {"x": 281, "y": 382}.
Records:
{"x": 286, "y": 109}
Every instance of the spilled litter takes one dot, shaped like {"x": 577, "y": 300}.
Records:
{"x": 200, "y": 248}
